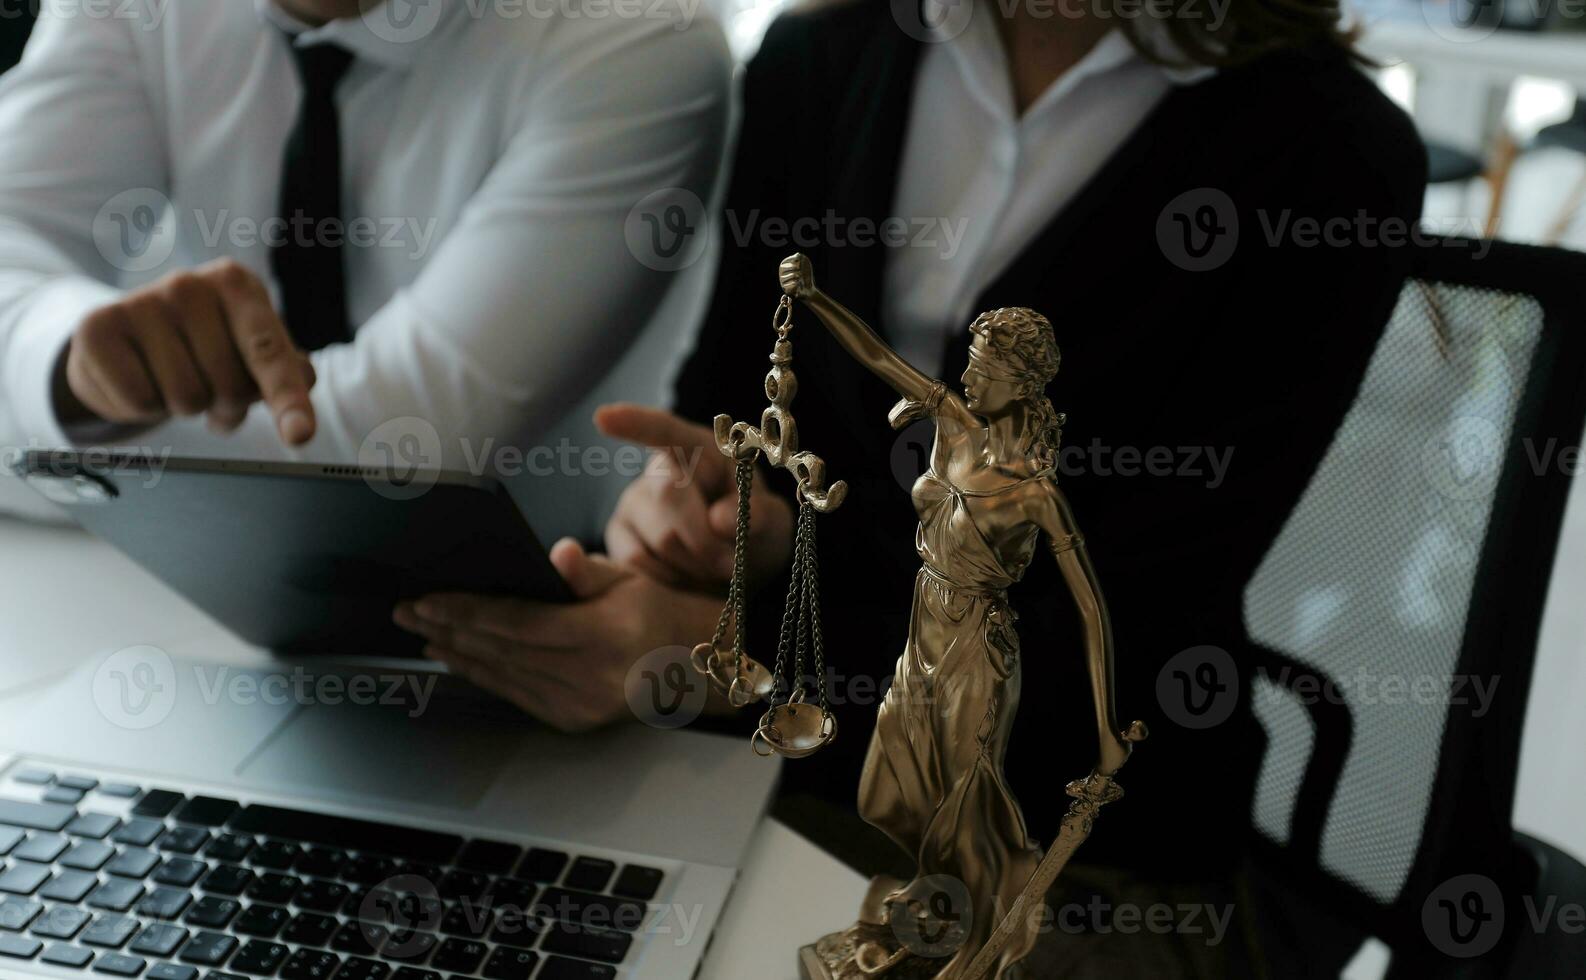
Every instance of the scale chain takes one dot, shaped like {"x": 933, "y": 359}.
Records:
{"x": 790, "y": 610}
{"x": 797, "y": 679}
{"x": 813, "y": 590}
{"x": 737, "y": 600}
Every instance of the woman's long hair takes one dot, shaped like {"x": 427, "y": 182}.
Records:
{"x": 1023, "y": 343}
{"x": 1218, "y": 33}
{"x": 1204, "y": 32}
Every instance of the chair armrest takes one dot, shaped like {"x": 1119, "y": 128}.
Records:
{"x": 1549, "y": 917}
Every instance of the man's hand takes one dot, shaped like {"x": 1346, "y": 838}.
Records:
{"x": 565, "y": 664}
{"x": 202, "y": 341}
{"x": 677, "y": 521}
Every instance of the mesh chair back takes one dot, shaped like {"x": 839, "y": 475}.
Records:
{"x": 1396, "y": 615}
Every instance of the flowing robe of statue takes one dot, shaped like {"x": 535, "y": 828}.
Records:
{"x": 933, "y": 779}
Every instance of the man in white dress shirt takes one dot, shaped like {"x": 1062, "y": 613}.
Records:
{"x": 182, "y": 267}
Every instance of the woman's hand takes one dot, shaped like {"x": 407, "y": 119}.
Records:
{"x": 565, "y": 664}
{"x": 676, "y": 522}
{"x": 797, "y": 276}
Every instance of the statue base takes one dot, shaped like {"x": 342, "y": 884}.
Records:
{"x": 869, "y": 941}
{"x": 834, "y": 957}
{"x": 870, "y": 948}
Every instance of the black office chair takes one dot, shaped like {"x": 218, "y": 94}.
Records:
{"x": 1422, "y": 548}
{"x": 1447, "y": 165}
{"x": 1569, "y": 134}
{"x": 16, "y": 23}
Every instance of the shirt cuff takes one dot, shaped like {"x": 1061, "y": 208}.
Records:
{"x": 35, "y": 347}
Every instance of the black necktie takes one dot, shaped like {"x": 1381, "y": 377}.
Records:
{"x": 308, "y": 260}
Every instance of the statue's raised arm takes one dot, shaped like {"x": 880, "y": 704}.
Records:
{"x": 797, "y": 276}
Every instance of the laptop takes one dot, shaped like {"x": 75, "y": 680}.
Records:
{"x": 309, "y": 816}
{"x": 174, "y": 820}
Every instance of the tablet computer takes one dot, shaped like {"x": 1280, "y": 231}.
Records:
{"x": 302, "y": 558}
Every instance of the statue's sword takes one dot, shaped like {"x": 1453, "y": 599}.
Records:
{"x": 1090, "y": 795}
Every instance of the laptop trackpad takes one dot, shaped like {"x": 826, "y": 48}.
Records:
{"x": 141, "y": 710}
{"x": 416, "y": 743}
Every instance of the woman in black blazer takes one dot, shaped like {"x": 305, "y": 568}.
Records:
{"x": 1255, "y": 360}
{"x": 1234, "y": 359}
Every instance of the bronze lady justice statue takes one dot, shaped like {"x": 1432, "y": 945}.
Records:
{"x": 933, "y": 778}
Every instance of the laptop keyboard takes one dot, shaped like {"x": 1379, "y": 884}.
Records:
{"x": 129, "y": 881}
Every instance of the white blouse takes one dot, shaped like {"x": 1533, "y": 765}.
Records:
{"x": 978, "y": 181}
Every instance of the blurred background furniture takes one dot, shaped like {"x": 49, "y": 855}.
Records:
{"x": 1567, "y": 135}
{"x": 1448, "y": 165}
{"x": 1470, "y": 71}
